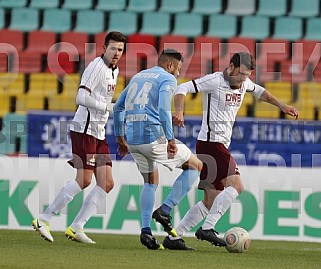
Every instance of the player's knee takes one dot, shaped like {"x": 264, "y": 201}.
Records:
{"x": 109, "y": 185}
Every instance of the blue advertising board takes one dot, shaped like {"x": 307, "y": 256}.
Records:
{"x": 254, "y": 141}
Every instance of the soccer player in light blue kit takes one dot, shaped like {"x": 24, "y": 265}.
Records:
{"x": 143, "y": 114}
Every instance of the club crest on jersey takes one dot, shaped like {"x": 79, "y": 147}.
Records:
{"x": 233, "y": 99}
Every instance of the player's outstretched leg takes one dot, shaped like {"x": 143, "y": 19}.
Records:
{"x": 149, "y": 241}
{"x": 165, "y": 221}
{"x": 210, "y": 236}
{"x": 43, "y": 229}
{"x": 175, "y": 243}
{"x": 78, "y": 236}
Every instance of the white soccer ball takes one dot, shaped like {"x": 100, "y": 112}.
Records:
{"x": 237, "y": 240}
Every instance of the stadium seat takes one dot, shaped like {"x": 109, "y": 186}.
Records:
{"x": 247, "y": 106}
{"x": 313, "y": 29}
{"x": 155, "y": 23}
{"x": 40, "y": 41}
{"x": 174, "y": 6}
{"x": 13, "y": 3}
{"x": 121, "y": 84}
{"x": 111, "y": 5}
{"x": 223, "y": 26}
{"x": 180, "y": 43}
{"x": 305, "y": 57}
{"x": 281, "y": 90}
{"x": 12, "y": 37}
{"x": 4, "y": 105}
{"x": 56, "y": 20}
{"x": 240, "y": 7}
{"x": 125, "y": 22}
{"x": 12, "y": 83}
{"x": 141, "y": 5}
{"x": 272, "y": 8}
{"x": 4, "y": 62}
{"x": 188, "y": 24}
{"x": 271, "y": 52}
{"x": 289, "y": 28}
{"x": 257, "y": 27}
{"x": 207, "y": 7}
{"x": 90, "y": 21}
{"x": 141, "y": 53}
{"x": 42, "y": 85}
{"x": 207, "y": 48}
{"x": 2, "y": 18}
{"x": 301, "y": 8}
{"x": 74, "y": 43}
{"x": 77, "y": 4}
{"x": 24, "y": 19}
{"x": 308, "y": 102}
{"x": 27, "y": 62}
{"x": 234, "y": 45}
{"x": 44, "y": 4}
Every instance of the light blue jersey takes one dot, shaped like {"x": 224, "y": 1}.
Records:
{"x": 144, "y": 107}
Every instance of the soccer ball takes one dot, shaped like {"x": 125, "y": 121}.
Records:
{"x": 237, "y": 240}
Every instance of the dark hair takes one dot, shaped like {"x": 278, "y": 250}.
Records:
{"x": 116, "y": 36}
{"x": 244, "y": 58}
{"x": 170, "y": 54}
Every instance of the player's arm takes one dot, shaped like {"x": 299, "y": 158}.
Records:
{"x": 179, "y": 101}
{"x": 267, "y": 97}
{"x": 119, "y": 123}
{"x": 84, "y": 98}
{"x": 165, "y": 115}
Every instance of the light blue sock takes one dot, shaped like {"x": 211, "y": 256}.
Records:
{"x": 181, "y": 187}
{"x": 147, "y": 200}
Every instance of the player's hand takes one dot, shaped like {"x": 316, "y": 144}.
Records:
{"x": 171, "y": 149}
{"x": 290, "y": 110}
{"x": 178, "y": 119}
{"x": 122, "y": 148}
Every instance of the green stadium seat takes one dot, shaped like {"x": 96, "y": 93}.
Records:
{"x": 13, "y": 3}
{"x": 257, "y": 27}
{"x": 302, "y": 8}
{"x": 2, "y": 18}
{"x": 90, "y": 21}
{"x": 174, "y": 6}
{"x": 188, "y": 24}
{"x": 141, "y": 5}
{"x": 240, "y": 7}
{"x": 289, "y": 28}
{"x": 313, "y": 29}
{"x": 272, "y": 8}
{"x": 56, "y": 20}
{"x": 156, "y": 23}
{"x": 111, "y": 5}
{"x": 207, "y": 7}
{"x": 223, "y": 26}
{"x": 44, "y": 4}
{"x": 125, "y": 22}
{"x": 77, "y": 4}
{"x": 24, "y": 19}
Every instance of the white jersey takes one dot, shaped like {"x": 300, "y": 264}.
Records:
{"x": 100, "y": 81}
{"x": 220, "y": 104}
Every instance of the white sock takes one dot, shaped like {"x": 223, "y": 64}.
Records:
{"x": 193, "y": 217}
{"x": 89, "y": 207}
{"x": 221, "y": 204}
{"x": 65, "y": 195}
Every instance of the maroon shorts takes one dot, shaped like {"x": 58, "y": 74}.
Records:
{"x": 218, "y": 164}
{"x": 88, "y": 152}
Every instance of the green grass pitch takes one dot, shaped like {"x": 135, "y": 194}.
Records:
{"x": 26, "y": 249}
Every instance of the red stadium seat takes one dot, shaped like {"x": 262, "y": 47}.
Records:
{"x": 12, "y": 37}
{"x": 40, "y": 41}
{"x": 28, "y": 62}
{"x": 71, "y": 40}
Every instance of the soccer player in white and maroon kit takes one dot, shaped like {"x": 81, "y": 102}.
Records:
{"x": 223, "y": 93}
{"x": 90, "y": 150}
